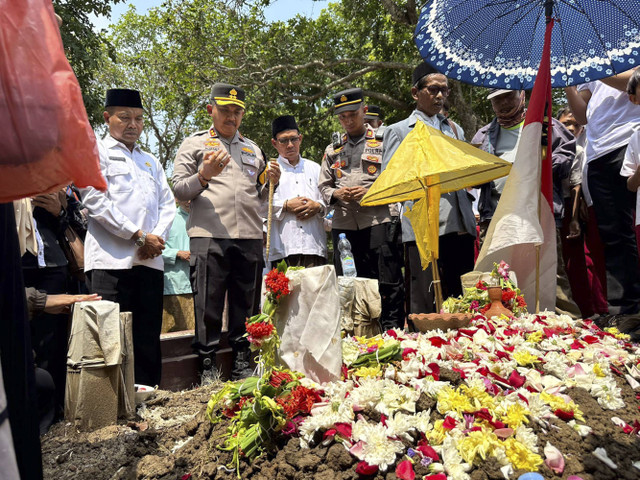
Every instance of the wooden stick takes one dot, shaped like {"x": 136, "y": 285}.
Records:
{"x": 269, "y": 218}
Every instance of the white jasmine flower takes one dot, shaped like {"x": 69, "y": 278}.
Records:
{"x": 583, "y": 430}
{"x": 527, "y": 437}
{"x": 607, "y": 393}
{"x": 455, "y": 468}
{"x": 377, "y": 448}
{"x": 601, "y": 454}
{"x": 350, "y": 351}
{"x": 400, "y": 424}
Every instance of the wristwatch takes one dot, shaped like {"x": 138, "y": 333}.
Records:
{"x": 141, "y": 240}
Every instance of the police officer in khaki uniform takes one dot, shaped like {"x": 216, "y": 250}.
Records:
{"x": 224, "y": 175}
{"x": 350, "y": 166}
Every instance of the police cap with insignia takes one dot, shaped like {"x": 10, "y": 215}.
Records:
{"x": 420, "y": 71}
{"x": 225, "y": 94}
{"x": 123, "y": 97}
{"x": 348, "y": 100}
{"x": 283, "y": 123}
{"x": 373, "y": 112}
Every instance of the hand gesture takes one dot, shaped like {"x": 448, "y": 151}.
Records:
{"x": 62, "y": 303}
{"x": 214, "y": 162}
{"x": 51, "y": 202}
{"x": 273, "y": 172}
{"x": 153, "y": 246}
{"x": 184, "y": 255}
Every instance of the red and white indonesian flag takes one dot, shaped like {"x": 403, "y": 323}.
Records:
{"x": 517, "y": 228}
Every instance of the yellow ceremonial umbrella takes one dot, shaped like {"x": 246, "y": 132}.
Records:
{"x": 426, "y": 164}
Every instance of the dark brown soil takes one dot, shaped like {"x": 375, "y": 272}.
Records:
{"x": 172, "y": 439}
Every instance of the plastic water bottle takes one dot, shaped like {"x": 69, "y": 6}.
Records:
{"x": 346, "y": 257}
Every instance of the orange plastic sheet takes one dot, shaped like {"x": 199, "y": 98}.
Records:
{"x": 46, "y": 141}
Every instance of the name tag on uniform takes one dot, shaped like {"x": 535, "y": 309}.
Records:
{"x": 117, "y": 159}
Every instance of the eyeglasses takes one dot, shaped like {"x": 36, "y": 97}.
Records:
{"x": 285, "y": 141}
{"x": 433, "y": 90}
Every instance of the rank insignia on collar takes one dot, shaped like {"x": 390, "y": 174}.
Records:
{"x": 373, "y": 143}
{"x": 370, "y": 134}
{"x": 339, "y": 173}
{"x": 372, "y": 169}
{"x": 212, "y": 132}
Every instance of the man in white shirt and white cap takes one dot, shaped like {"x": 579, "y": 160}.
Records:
{"x": 128, "y": 225}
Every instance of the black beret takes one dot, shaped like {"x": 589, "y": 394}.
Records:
{"x": 123, "y": 97}
{"x": 373, "y": 111}
{"x": 420, "y": 71}
{"x": 225, "y": 94}
{"x": 348, "y": 100}
{"x": 285, "y": 122}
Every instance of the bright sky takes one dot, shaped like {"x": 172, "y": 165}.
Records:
{"x": 279, "y": 10}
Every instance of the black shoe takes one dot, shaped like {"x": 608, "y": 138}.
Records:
{"x": 207, "y": 366}
{"x": 243, "y": 364}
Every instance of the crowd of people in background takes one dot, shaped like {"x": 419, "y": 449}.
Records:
{"x": 199, "y": 265}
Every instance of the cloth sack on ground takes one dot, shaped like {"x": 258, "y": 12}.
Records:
{"x": 100, "y": 366}
{"x": 308, "y": 322}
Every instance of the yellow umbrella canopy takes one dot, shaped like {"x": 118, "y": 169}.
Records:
{"x": 426, "y": 164}
{"x": 426, "y": 158}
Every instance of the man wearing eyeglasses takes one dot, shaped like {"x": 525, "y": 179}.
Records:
{"x": 297, "y": 234}
{"x": 457, "y": 222}
{"x": 349, "y": 167}
{"x": 224, "y": 175}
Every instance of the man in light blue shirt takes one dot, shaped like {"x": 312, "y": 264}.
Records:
{"x": 178, "y": 308}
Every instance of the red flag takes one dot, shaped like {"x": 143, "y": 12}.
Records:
{"x": 524, "y": 218}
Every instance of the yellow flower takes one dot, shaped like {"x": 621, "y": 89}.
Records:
{"x": 520, "y": 457}
{"x": 616, "y": 333}
{"x": 558, "y": 403}
{"x": 437, "y": 435}
{"x": 478, "y": 443}
{"x": 479, "y": 397}
{"x": 597, "y": 369}
{"x": 516, "y": 415}
{"x": 524, "y": 358}
{"x": 366, "y": 372}
{"x": 535, "y": 337}
{"x": 450, "y": 399}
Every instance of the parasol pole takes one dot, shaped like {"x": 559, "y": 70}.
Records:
{"x": 269, "y": 216}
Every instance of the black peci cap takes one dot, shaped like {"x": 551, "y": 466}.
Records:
{"x": 285, "y": 122}
{"x": 348, "y": 100}
{"x": 420, "y": 71}
{"x": 123, "y": 97}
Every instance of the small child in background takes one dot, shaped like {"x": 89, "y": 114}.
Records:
{"x": 632, "y": 157}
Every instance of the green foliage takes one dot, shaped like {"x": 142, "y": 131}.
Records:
{"x": 85, "y": 47}
{"x": 175, "y": 52}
